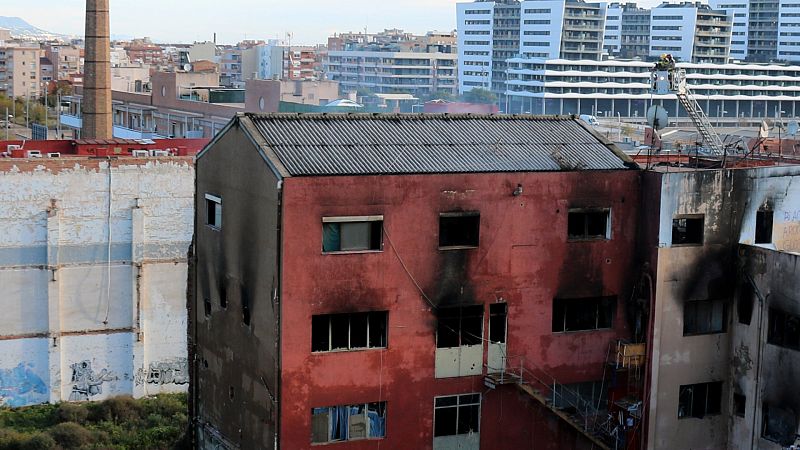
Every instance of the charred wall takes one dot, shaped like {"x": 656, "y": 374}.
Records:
{"x": 235, "y": 303}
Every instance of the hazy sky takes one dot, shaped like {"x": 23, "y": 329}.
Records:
{"x": 310, "y": 21}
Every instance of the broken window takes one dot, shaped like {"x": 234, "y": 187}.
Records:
{"x": 332, "y": 332}
{"x": 700, "y": 400}
{"x": 352, "y": 234}
{"x": 705, "y": 317}
{"x": 497, "y": 322}
{"x": 585, "y": 224}
{"x": 744, "y": 303}
{"x": 687, "y": 230}
{"x": 456, "y": 414}
{"x": 784, "y": 329}
{"x": 764, "y": 227}
{"x": 739, "y": 404}
{"x": 213, "y": 211}
{"x": 459, "y": 326}
{"x": 778, "y": 425}
{"x": 348, "y": 422}
{"x": 459, "y": 229}
{"x": 577, "y": 314}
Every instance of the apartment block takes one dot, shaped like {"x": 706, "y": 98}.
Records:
{"x": 67, "y": 60}
{"x": 420, "y": 66}
{"x": 384, "y": 290}
{"x": 627, "y": 31}
{"x": 19, "y": 71}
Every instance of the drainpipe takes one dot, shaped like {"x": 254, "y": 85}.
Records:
{"x": 277, "y": 314}
{"x": 761, "y": 305}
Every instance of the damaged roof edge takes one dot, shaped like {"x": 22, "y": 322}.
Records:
{"x": 627, "y": 160}
{"x": 266, "y": 152}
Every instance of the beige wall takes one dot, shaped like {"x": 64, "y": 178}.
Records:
{"x": 22, "y": 71}
{"x": 309, "y": 92}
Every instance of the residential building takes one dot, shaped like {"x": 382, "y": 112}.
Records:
{"x": 46, "y": 71}
{"x": 144, "y": 51}
{"x": 379, "y": 287}
{"x": 421, "y": 65}
{"x": 5, "y": 35}
{"x": 19, "y": 71}
{"x": 130, "y": 77}
{"x": 67, "y": 59}
{"x": 690, "y": 32}
{"x": 272, "y": 60}
{"x": 93, "y": 269}
{"x": 615, "y": 88}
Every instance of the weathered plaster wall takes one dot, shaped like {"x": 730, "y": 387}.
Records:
{"x": 85, "y": 319}
{"x": 729, "y": 200}
{"x": 763, "y": 372}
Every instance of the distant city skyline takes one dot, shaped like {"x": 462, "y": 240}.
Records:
{"x": 309, "y": 21}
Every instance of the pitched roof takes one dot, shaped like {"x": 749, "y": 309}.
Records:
{"x": 374, "y": 144}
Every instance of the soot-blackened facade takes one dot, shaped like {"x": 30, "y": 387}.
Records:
{"x": 357, "y": 277}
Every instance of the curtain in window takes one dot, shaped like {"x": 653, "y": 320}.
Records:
{"x": 377, "y": 423}
{"x": 339, "y": 423}
{"x": 331, "y": 239}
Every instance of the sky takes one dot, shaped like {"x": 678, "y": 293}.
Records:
{"x": 309, "y": 21}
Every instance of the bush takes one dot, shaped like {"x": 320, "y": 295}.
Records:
{"x": 39, "y": 441}
{"x": 70, "y": 435}
{"x": 116, "y": 409}
{"x": 71, "y": 412}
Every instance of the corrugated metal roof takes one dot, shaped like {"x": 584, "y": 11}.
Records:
{"x": 373, "y": 144}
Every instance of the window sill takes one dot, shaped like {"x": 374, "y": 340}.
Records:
{"x": 709, "y": 333}
{"x": 315, "y": 444}
{"x": 700, "y": 418}
{"x": 687, "y": 245}
{"x": 589, "y": 239}
{"x": 351, "y": 350}
{"x": 352, "y": 252}
{"x": 212, "y": 227}
{"x": 583, "y": 331}
{"x": 458, "y": 247}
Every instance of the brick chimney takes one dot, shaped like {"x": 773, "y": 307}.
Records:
{"x": 97, "y": 117}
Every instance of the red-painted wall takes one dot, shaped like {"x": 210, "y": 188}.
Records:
{"x": 523, "y": 259}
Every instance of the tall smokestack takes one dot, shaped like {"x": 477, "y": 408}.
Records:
{"x": 97, "y": 119}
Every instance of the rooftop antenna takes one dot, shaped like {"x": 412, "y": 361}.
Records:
{"x": 215, "y": 38}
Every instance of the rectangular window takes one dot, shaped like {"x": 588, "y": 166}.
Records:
{"x": 578, "y": 314}
{"x": 583, "y": 224}
{"x": 352, "y": 234}
{"x": 764, "y": 227}
{"x": 739, "y": 404}
{"x": 778, "y": 425}
{"x": 213, "y": 211}
{"x": 784, "y": 329}
{"x": 343, "y": 332}
{"x": 456, "y": 414}
{"x": 459, "y": 229}
{"x": 699, "y": 400}
{"x": 687, "y": 230}
{"x": 459, "y": 326}
{"x": 497, "y": 322}
{"x": 348, "y": 422}
{"x": 705, "y": 317}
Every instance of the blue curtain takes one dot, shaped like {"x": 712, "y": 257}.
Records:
{"x": 377, "y": 424}
{"x": 339, "y": 423}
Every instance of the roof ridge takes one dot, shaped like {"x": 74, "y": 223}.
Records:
{"x": 411, "y": 116}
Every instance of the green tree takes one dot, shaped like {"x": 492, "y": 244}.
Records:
{"x": 480, "y": 95}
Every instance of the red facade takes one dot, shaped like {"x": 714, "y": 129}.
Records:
{"x": 524, "y": 258}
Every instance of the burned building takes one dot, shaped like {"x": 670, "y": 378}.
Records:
{"x": 413, "y": 282}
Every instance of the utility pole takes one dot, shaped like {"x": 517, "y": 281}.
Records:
{"x": 46, "y": 127}
{"x": 6, "y": 122}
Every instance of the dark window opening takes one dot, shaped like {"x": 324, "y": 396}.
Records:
{"x": 459, "y": 229}
{"x": 739, "y": 404}
{"x": 705, "y": 317}
{"x": 353, "y": 331}
{"x": 207, "y": 306}
{"x": 245, "y": 309}
{"x": 348, "y": 422}
{"x": 700, "y": 400}
{"x": 213, "y": 211}
{"x": 687, "y": 231}
{"x": 577, "y": 314}
{"x": 764, "y": 227}
{"x": 223, "y": 294}
{"x": 779, "y": 425}
{"x": 745, "y": 302}
{"x": 784, "y": 329}
{"x": 456, "y": 414}
{"x": 588, "y": 224}
{"x": 351, "y": 236}
{"x": 459, "y": 326}
{"x": 497, "y": 322}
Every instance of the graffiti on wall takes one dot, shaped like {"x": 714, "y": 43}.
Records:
{"x": 791, "y": 230}
{"x": 174, "y": 371}
{"x": 86, "y": 383}
{"x": 21, "y": 386}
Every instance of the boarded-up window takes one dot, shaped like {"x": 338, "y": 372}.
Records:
{"x": 705, "y": 317}
{"x": 577, "y": 314}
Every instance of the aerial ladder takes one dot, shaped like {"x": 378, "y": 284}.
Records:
{"x": 666, "y": 79}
